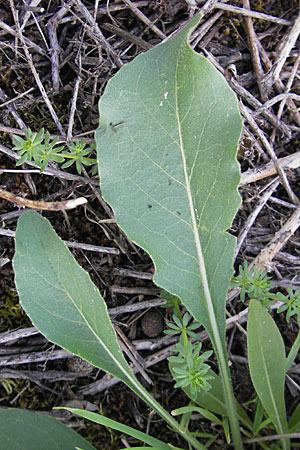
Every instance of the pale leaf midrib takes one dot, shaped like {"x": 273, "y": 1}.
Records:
{"x": 200, "y": 259}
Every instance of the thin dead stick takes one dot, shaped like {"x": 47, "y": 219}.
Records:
{"x": 82, "y": 246}
{"x": 271, "y": 152}
{"x": 252, "y": 40}
{"x": 135, "y": 363}
{"x": 117, "y": 310}
{"x": 264, "y": 260}
{"x": 9, "y": 336}
{"x": 127, "y": 36}
{"x": 205, "y": 27}
{"x": 134, "y": 291}
{"x": 144, "y": 19}
{"x": 12, "y": 100}
{"x": 45, "y": 206}
{"x": 55, "y": 52}
{"x": 14, "y": 33}
{"x": 254, "y": 14}
{"x": 73, "y": 104}
{"x": 28, "y": 358}
{"x": 278, "y": 98}
{"x": 290, "y": 103}
{"x": 95, "y": 31}
{"x": 252, "y": 217}
{"x": 206, "y": 8}
{"x": 288, "y": 162}
{"x": 290, "y": 40}
{"x": 93, "y": 248}
{"x": 33, "y": 7}
{"x": 34, "y": 71}
{"x": 33, "y": 375}
{"x": 279, "y": 86}
{"x": 39, "y": 28}
{"x": 132, "y": 354}
{"x": 12, "y": 110}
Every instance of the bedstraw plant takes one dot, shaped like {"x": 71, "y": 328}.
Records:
{"x": 39, "y": 148}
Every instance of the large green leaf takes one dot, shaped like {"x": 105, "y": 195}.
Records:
{"x": 26, "y": 430}
{"x": 60, "y": 298}
{"x": 64, "y": 304}
{"x": 167, "y": 141}
{"x": 267, "y": 363}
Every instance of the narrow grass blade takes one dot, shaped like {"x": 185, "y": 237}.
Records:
{"x": 114, "y": 425}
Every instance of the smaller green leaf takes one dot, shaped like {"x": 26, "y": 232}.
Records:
{"x": 60, "y": 298}
{"x": 258, "y": 418}
{"x": 204, "y": 412}
{"x": 267, "y": 363}
{"x": 293, "y": 352}
{"x": 113, "y": 424}
{"x": 27, "y": 430}
{"x": 142, "y": 448}
{"x": 225, "y": 424}
{"x": 294, "y": 423}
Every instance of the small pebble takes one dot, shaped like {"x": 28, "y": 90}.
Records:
{"x": 152, "y": 323}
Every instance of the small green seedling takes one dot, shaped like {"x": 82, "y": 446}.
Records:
{"x": 39, "y": 148}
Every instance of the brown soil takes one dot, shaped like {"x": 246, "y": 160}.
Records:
{"x": 226, "y": 38}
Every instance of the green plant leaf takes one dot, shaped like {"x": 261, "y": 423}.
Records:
{"x": 166, "y": 143}
{"x": 64, "y": 304}
{"x": 114, "y": 425}
{"x": 169, "y": 169}
{"x": 143, "y": 448}
{"x": 60, "y": 298}
{"x": 204, "y": 412}
{"x": 293, "y": 352}
{"x": 26, "y": 430}
{"x": 62, "y": 301}
{"x": 294, "y": 423}
{"x": 267, "y": 364}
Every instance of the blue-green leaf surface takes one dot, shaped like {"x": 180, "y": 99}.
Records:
{"x": 64, "y": 304}
{"x": 60, "y": 298}
{"x": 167, "y": 141}
{"x": 267, "y": 364}
{"x": 26, "y": 430}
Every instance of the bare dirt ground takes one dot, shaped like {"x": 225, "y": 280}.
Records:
{"x": 55, "y": 60}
